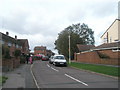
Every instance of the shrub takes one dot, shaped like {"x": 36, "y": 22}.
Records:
{"x": 6, "y": 52}
{"x": 17, "y": 53}
{"x": 104, "y": 56}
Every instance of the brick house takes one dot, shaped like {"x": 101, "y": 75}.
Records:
{"x": 43, "y": 50}
{"x": 12, "y": 44}
{"x": 106, "y": 53}
{"x": 50, "y": 53}
{"x": 40, "y": 50}
{"x": 25, "y": 46}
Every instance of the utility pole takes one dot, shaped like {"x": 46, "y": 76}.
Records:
{"x": 69, "y": 50}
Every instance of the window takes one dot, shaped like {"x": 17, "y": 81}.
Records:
{"x": 105, "y": 40}
{"x": 16, "y": 46}
{"x": 59, "y": 57}
{"x": 116, "y": 50}
{"x": 3, "y": 42}
{"x": 9, "y": 44}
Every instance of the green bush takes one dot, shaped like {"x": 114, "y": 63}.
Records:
{"x": 6, "y": 52}
{"x": 3, "y": 79}
{"x": 104, "y": 56}
{"x": 17, "y": 53}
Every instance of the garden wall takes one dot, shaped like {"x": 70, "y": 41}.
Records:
{"x": 94, "y": 58}
{"x": 10, "y": 64}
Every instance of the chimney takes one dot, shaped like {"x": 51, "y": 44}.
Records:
{"x": 7, "y": 33}
{"x": 15, "y": 37}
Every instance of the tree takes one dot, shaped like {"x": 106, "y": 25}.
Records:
{"x": 80, "y": 34}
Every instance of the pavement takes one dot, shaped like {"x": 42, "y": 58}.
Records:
{"x": 19, "y": 78}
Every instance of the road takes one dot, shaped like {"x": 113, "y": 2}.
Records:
{"x": 49, "y": 76}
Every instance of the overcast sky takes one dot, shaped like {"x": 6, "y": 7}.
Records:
{"x": 40, "y": 21}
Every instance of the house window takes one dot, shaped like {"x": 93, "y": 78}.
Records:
{"x": 105, "y": 40}
{"x": 9, "y": 44}
{"x": 17, "y": 46}
{"x": 116, "y": 50}
{"x": 3, "y": 42}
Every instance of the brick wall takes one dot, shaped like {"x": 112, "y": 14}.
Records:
{"x": 93, "y": 57}
{"x": 111, "y": 54}
{"x": 88, "y": 57}
{"x": 10, "y": 64}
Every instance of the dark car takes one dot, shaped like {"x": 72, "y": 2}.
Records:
{"x": 45, "y": 58}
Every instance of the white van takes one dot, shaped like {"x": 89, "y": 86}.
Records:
{"x": 59, "y": 60}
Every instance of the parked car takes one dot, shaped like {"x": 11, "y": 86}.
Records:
{"x": 59, "y": 60}
{"x": 45, "y": 58}
{"x": 51, "y": 60}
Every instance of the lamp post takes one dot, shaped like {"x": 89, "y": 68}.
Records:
{"x": 69, "y": 50}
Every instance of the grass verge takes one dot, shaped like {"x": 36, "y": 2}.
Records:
{"x": 3, "y": 79}
{"x": 108, "y": 70}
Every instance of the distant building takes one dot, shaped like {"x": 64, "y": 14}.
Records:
{"x": 50, "y": 53}
{"x": 112, "y": 34}
{"x": 14, "y": 43}
{"x": 40, "y": 50}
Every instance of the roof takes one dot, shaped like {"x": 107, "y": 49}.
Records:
{"x": 110, "y": 26}
{"x": 84, "y": 47}
{"x": 107, "y": 46}
{"x": 40, "y": 48}
{"x": 13, "y": 40}
{"x": 22, "y": 41}
{"x": 9, "y": 39}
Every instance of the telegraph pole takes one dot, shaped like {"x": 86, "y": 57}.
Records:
{"x": 69, "y": 50}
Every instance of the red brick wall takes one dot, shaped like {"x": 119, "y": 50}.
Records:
{"x": 10, "y": 64}
{"x": 7, "y": 64}
{"x": 110, "y": 53}
{"x": 93, "y": 57}
{"x": 88, "y": 57}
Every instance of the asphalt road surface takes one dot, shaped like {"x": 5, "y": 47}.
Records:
{"x": 48, "y": 76}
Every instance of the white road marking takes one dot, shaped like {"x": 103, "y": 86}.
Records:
{"x": 48, "y": 65}
{"x": 76, "y": 79}
{"x": 34, "y": 77}
{"x": 54, "y": 69}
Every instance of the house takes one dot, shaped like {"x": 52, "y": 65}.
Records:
{"x": 14, "y": 43}
{"x": 25, "y": 46}
{"x": 112, "y": 34}
{"x": 40, "y": 50}
{"x": 43, "y": 50}
{"x": 106, "y": 53}
{"x": 50, "y": 53}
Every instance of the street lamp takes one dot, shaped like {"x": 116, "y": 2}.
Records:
{"x": 69, "y": 50}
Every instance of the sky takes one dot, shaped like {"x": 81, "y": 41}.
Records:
{"x": 40, "y": 21}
